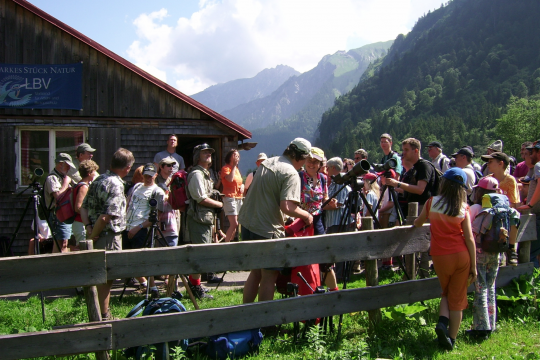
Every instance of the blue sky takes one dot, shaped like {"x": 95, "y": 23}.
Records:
{"x": 195, "y": 44}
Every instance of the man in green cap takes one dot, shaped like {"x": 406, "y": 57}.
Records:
{"x": 84, "y": 152}
{"x": 56, "y": 184}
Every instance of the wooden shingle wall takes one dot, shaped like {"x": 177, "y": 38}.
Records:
{"x": 142, "y": 137}
{"x": 109, "y": 88}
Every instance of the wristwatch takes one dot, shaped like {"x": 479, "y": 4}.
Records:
{"x": 398, "y": 184}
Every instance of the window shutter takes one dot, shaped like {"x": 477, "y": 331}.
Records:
{"x": 106, "y": 141}
{"x": 8, "y": 159}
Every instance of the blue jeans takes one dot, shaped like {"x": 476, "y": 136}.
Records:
{"x": 61, "y": 231}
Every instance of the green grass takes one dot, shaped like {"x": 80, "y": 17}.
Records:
{"x": 408, "y": 337}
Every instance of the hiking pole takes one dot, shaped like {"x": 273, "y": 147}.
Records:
{"x": 221, "y": 280}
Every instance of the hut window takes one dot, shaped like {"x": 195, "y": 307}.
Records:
{"x": 38, "y": 149}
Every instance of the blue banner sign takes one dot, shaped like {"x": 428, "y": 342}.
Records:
{"x": 41, "y": 86}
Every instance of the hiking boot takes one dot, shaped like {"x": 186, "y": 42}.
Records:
{"x": 199, "y": 293}
{"x": 442, "y": 336}
{"x": 154, "y": 294}
{"x": 140, "y": 290}
{"x": 512, "y": 257}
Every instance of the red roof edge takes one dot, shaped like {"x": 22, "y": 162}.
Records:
{"x": 85, "y": 39}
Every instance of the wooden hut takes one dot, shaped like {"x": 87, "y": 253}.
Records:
{"x": 120, "y": 106}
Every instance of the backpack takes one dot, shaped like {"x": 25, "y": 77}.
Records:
{"x": 233, "y": 345}
{"x": 492, "y": 224}
{"x": 436, "y": 179}
{"x": 178, "y": 194}
{"x": 65, "y": 204}
{"x": 155, "y": 307}
{"x": 44, "y": 210}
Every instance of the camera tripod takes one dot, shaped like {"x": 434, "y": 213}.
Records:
{"x": 154, "y": 233}
{"x": 35, "y": 200}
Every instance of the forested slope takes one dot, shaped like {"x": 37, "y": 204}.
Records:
{"x": 448, "y": 79}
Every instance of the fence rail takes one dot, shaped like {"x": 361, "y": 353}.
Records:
{"x": 47, "y": 272}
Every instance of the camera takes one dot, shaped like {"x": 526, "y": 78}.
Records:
{"x": 215, "y": 195}
{"x": 152, "y": 217}
{"x": 387, "y": 168}
{"x": 361, "y": 168}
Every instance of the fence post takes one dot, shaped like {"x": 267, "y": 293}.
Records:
{"x": 91, "y": 297}
{"x": 410, "y": 260}
{"x": 524, "y": 248}
{"x": 372, "y": 273}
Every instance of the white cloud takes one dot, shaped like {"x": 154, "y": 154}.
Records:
{"x": 231, "y": 39}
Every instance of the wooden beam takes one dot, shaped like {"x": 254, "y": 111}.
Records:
{"x": 75, "y": 340}
{"x": 52, "y": 271}
{"x": 527, "y": 228}
{"x": 169, "y": 327}
{"x": 288, "y": 252}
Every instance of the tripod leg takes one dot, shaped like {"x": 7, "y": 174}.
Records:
{"x": 190, "y": 293}
{"x": 14, "y": 236}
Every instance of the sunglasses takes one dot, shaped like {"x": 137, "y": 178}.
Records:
{"x": 170, "y": 165}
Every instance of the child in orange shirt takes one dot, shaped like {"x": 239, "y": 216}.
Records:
{"x": 452, "y": 249}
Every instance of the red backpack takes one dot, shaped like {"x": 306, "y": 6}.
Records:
{"x": 178, "y": 194}
{"x": 65, "y": 211}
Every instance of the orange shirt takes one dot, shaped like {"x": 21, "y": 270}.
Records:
{"x": 446, "y": 232}
{"x": 509, "y": 188}
{"x": 231, "y": 188}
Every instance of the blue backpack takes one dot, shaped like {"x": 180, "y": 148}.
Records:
{"x": 492, "y": 224}
{"x": 233, "y": 345}
{"x": 155, "y": 307}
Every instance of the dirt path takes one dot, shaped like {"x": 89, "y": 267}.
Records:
{"x": 231, "y": 281}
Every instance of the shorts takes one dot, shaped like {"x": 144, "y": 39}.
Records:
{"x": 231, "y": 205}
{"x": 453, "y": 272}
{"x": 109, "y": 241}
{"x": 198, "y": 233}
{"x": 136, "y": 242}
{"x": 248, "y": 235}
{"x": 78, "y": 231}
{"x": 61, "y": 231}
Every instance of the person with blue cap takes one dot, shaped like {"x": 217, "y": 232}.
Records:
{"x": 452, "y": 249}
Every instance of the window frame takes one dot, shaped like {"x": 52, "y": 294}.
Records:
{"x": 52, "y": 146}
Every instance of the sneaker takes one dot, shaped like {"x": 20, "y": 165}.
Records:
{"x": 199, "y": 293}
{"x": 512, "y": 257}
{"x": 154, "y": 294}
{"x": 442, "y": 336}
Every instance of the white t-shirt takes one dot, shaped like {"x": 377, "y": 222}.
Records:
{"x": 138, "y": 208}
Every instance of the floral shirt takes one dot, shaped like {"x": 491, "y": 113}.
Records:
{"x": 106, "y": 196}
{"x": 313, "y": 192}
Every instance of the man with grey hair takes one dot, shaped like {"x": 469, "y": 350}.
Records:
{"x": 103, "y": 214}
{"x": 438, "y": 159}
{"x": 336, "y": 208}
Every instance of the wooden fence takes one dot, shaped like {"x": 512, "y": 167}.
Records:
{"x": 46, "y": 272}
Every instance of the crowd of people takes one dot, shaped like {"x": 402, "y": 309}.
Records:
{"x": 300, "y": 184}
